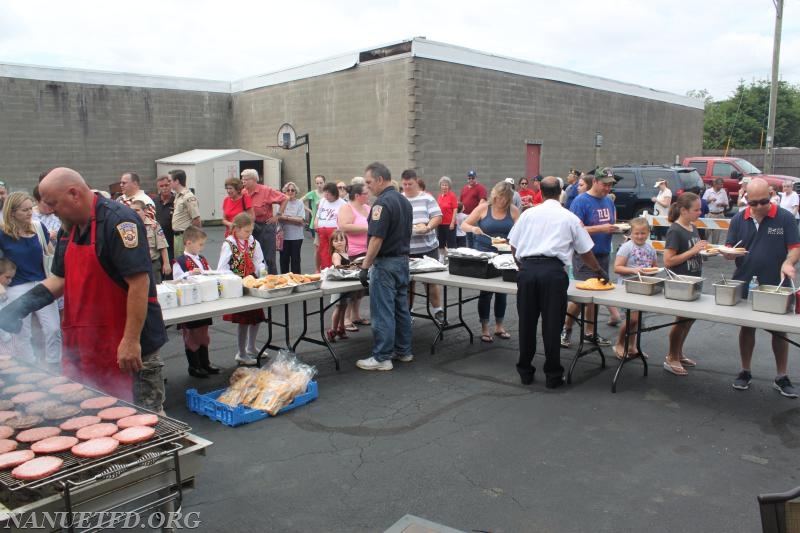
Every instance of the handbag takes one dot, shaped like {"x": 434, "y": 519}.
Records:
{"x": 47, "y": 249}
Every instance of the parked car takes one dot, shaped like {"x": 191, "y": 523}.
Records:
{"x": 732, "y": 170}
{"x": 635, "y": 187}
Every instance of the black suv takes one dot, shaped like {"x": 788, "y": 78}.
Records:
{"x": 635, "y": 187}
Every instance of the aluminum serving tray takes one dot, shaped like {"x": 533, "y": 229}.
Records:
{"x": 310, "y": 286}
{"x": 770, "y": 299}
{"x": 269, "y": 293}
{"x": 685, "y": 288}
{"x": 728, "y": 292}
{"x": 647, "y": 286}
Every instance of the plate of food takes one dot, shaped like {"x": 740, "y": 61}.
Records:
{"x": 732, "y": 251}
{"x": 710, "y": 251}
{"x": 651, "y": 270}
{"x": 498, "y": 240}
{"x": 623, "y": 226}
{"x": 594, "y": 284}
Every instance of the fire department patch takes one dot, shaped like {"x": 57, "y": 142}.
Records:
{"x": 376, "y": 212}
{"x": 129, "y": 234}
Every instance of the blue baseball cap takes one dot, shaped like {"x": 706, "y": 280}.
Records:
{"x": 472, "y": 174}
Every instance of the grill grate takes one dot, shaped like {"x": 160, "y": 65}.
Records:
{"x": 167, "y": 430}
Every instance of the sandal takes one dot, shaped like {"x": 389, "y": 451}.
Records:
{"x": 685, "y": 361}
{"x": 675, "y": 368}
{"x": 502, "y": 334}
{"x": 331, "y": 335}
{"x": 351, "y": 327}
{"x": 362, "y": 322}
{"x": 342, "y": 335}
{"x": 486, "y": 338}
{"x": 613, "y": 323}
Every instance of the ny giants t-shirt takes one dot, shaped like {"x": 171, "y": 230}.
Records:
{"x": 595, "y": 211}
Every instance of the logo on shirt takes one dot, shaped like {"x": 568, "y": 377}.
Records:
{"x": 376, "y": 212}
{"x": 129, "y": 234}
{"x": 774, "y": 231}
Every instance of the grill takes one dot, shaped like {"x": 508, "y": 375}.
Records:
{"x": 152, "y": 481}
{"x": 167, "y": 430}
{"x": 135, "y": 478}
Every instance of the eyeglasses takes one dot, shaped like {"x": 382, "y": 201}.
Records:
{"x": 470, "y": 177}
{"x": 523, "y": 182}
{"x": 291, "y": 190}
{"x": 756, "y": 203}
{"x": 341, "y": 187}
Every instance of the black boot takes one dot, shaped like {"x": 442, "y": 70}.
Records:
{"x": 204, "y": 362}
{"x": 194, "y": 365}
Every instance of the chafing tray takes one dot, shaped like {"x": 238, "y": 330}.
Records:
{"x": 728, "y": 292}
{"x": 310, "y": 286}
{"x": 685, "y": 288}
{"x": 770, "y": 299}
{"x": 647, "y": 285}
{"x": 270, "y": 293}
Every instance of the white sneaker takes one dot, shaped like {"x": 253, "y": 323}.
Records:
{"x": 371, "y": 363}
{"x": 404, "y": 358}
{"x": 246, "y": 360}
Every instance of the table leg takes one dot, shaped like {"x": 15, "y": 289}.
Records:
{"x": 324, "y": 342}
{"x": 581, "y": 352}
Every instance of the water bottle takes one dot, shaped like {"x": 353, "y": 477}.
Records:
{"x": 750, "y": 288}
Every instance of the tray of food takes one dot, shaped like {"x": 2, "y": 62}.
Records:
{"x": 685, "y": 288}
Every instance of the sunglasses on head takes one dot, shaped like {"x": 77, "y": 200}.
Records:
{"x": 756, "y": 203}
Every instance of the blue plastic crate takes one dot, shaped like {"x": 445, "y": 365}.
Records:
{"x": 207, "y": 405}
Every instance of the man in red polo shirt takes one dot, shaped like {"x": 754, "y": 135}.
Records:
{"x": 471, "y": 196}
{"x": 266, "y": 222}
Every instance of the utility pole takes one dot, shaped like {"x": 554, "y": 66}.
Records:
{"x": 773, "y": 92}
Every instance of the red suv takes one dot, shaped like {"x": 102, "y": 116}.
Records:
{"x": 732, "y": 170}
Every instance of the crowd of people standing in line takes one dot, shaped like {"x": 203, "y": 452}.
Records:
{"x": 551, "y": 225}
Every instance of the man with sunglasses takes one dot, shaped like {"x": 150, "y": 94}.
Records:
{"x": 770, "y": 235}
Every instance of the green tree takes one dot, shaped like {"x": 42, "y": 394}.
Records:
{"x": 741, "y": 120}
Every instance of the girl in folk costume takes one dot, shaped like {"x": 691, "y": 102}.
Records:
{"x": 195, "y": 333}
{"x": 242, "y": 255}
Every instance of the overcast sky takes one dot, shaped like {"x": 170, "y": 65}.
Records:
{"x": 671, "y": 45}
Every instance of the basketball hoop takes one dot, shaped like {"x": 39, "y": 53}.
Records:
{"x": 286, "y": 136}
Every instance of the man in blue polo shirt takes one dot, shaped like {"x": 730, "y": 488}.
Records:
{"x": 771, "y": 237}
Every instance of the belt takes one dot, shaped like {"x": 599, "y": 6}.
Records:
{"x": 541, "y": 258}
{"x": 177, "y": 232}
{"x": 390, "y": 256}
{"x": 716, "y": 212}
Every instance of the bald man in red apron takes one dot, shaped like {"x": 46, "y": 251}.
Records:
{"x": 112, "y": 326}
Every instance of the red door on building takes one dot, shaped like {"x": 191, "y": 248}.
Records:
{"x": 533, "y": 155}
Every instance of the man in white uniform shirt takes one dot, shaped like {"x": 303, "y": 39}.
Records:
{"x": 717, "y": 199}
{"x": 543, "y": 241}
{"x": 661, "y": 203}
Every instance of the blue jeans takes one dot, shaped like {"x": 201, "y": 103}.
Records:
{"x": 388, "y": 305}
{"x": 485, "y": 305}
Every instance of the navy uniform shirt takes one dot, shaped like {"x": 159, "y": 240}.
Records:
{"x": 119, "y": 261}
{"x": 390, "y": 218}
{"x": 767, "y": 245}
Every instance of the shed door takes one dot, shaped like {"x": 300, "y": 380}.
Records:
{"x": 222, "y": 171}
{"x": 533, "y": 155}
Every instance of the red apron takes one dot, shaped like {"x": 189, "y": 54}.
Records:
{"x": 95, "y": 309}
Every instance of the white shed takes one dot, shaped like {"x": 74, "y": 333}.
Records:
{"x": 207, "y": 170}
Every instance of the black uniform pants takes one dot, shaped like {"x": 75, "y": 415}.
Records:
{"x": 541, "y": 291}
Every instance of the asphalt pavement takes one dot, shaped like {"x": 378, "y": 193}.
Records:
{"x": 454, "y": 438}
